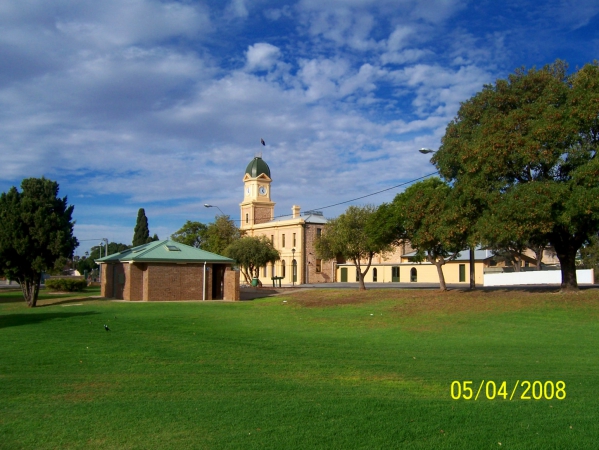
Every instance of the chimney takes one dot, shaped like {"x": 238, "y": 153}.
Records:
{"x": 296, "y": 211}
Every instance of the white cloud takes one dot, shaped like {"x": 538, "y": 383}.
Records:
{"x": 262, "y": 56}
{"x": 236, "y": 9}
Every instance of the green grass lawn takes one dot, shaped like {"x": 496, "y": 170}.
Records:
{"x": 313, "y": 369}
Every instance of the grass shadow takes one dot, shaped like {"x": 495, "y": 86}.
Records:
{"x": 253, "y": 293}
{"x": 15, "y": 320}
{"x": 16, "y": 296}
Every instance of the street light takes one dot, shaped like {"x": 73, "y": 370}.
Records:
{"x": 213, "y": 206}
{"x": 425, "y": 151}
{"x": 293, "y": 267}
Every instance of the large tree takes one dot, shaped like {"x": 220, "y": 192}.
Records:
{"x": 538, "y": 130}
{"x": 220, "y": 234}
{"x": 353, "y": 236}
{"x": 36, "y": 230}
{"x": 191, "y": 233}
{"x": 432, "y": 223}
{"x": 141, "y": 232}
{"x": 251, "y": 253}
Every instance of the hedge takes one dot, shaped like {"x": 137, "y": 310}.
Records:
{"x": 66, "y": 284}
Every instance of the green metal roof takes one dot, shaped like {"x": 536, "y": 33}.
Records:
{"x": 257, "y": 167}
{"x": 165, "y": 251}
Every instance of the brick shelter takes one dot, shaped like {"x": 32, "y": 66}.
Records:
{"x": 167, "y": 270}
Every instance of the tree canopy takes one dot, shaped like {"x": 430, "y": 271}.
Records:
{"x": 141, "y": 232}
{"x": 531, "y": 142}
{"x": 36, "y": 230}
{"x": 89, "y": 263}
{"x": 432, "y": 223}
{"x": 353, "y": 236}
{"x": 214, "y": 237}
{"x": 251, "y": 253}
{"x": 191, "y": 233}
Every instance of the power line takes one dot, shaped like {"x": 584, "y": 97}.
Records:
{"x": 375, "y": 193}
{"x": 357, "y": 198}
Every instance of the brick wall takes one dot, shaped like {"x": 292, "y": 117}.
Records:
{"x": 231, "y": 291}
{"x": 107, "y": 281}
{"x": 164, "y": 282}
{"x": 262, "y": 215}
{"x": 167, "y": 282}
{"x": 326, "y": 273}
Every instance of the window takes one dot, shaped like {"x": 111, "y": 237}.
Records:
{"x": 318, "y": 232}
{"x": 318, "y": 265}
{"x": 265, "y": 272}
{"x": 462, "y": 273}
{"x": 374, "y": 275}
{"x": 395, "y": 274}
{"x": 413, "y": 275}
{"x": 294, "y": 244}
{"x": 272, "y": 239}
{"x": 247, "y": 218}
{"x": 283, "y": 268}
{"x": 283, "y": 241}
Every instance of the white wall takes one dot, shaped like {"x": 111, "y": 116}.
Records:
{"x": 535, "y": 277}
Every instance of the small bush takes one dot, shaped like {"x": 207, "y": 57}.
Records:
{"x": 66, "y": 284}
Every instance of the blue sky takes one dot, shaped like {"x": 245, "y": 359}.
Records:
{"x": 162, "y": 104}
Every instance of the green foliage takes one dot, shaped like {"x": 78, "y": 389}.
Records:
{"x": 538, "y": 127}
{"x": 191, "y": 233}
{"x": 141, "y": 232}
{"x": 36, "y": 230}
{"x": 65, "y": 284}
{"x": 251, "y": 253}
{"x": 432, "y": 222}
{"x": 354, "y": 236}
{"x": 220, "y": 234}
{"x": 215, "y": 237}
{"x": 87, "y": 264}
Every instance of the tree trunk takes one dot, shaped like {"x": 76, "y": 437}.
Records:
{"x": 439, "y": 264}
{"x": 538, "y": 255}
{"x": 472, "y": 278}
{"x": 361, "y": 274}
{"x": 442, "y": 285}
{"x": 31, "y": 289}
{"x": 567, "y": 259}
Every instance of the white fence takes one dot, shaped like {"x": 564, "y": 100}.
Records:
{"x": 586, "y": 276}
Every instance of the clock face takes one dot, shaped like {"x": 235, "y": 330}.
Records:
{"x": 262, "y": 190}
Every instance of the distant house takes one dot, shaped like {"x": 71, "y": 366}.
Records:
{"x": 168, "y": 270}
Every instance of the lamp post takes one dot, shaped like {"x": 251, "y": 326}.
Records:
{"x": 206, "y": 205}
{"x": 293, "y": 266}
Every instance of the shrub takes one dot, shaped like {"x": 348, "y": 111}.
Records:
{"x": 66, "y": 284}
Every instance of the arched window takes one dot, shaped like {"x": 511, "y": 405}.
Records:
{"x": 413, "y": 275}
{"x": 283, "y": 268}
{"x": 374, "y": 275}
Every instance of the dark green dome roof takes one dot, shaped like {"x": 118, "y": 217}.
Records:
{"x": 257, "y": 167}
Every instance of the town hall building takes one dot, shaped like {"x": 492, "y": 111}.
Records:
{"x": 292, "y": 235}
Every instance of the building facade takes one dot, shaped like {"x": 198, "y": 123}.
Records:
{"x": 292, "y": 235}
{"x": 168, "y": 270}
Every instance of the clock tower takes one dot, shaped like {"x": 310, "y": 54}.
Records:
{"x": 257, "y": 206}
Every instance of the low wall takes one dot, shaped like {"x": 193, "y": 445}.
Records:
{"x": 586, "y": 276}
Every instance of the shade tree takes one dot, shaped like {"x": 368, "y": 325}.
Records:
{"x": 537, "y": 130}
{"x": 36, "y": 231}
